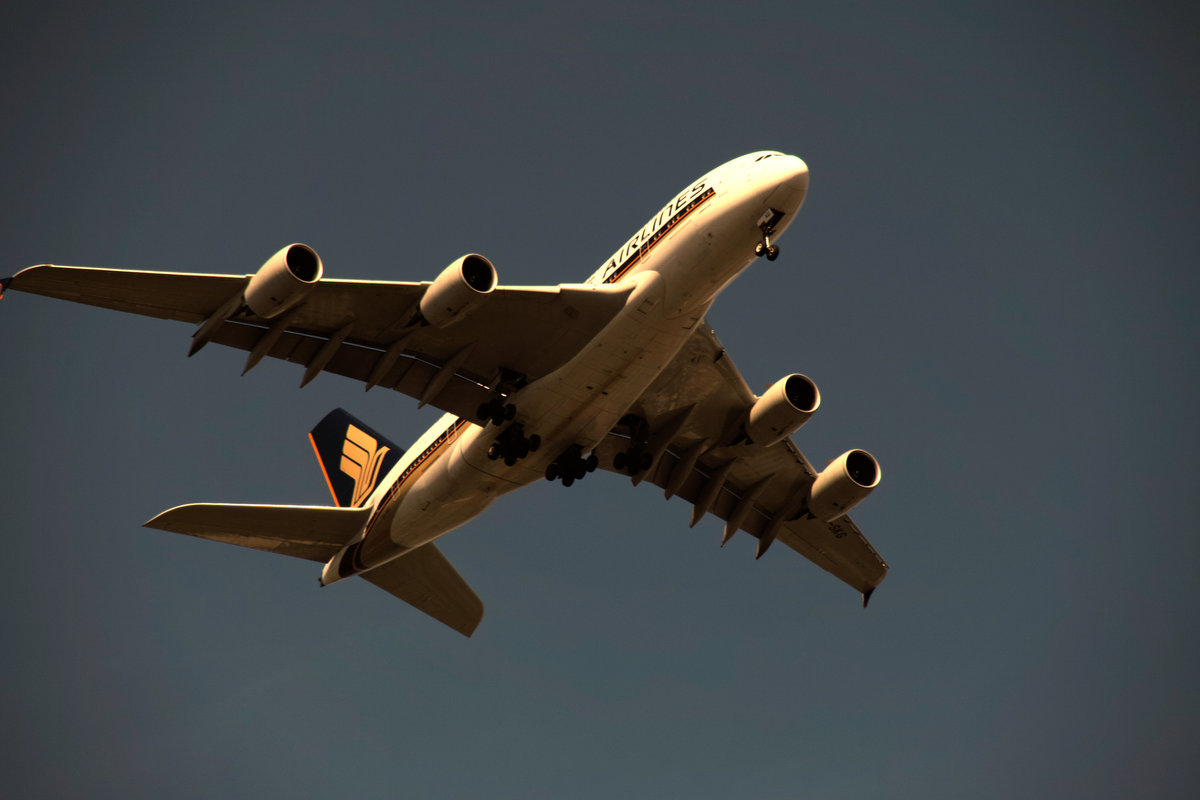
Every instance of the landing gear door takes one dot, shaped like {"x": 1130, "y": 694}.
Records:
{"x": 769, "y": 219}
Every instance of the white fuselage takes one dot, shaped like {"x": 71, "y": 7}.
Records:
{"x": 677, "y": 264}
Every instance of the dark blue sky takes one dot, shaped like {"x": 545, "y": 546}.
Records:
{"x": 992, "y": 282}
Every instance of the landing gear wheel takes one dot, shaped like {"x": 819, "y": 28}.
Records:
{"x": 766, "y": 224}
{"x": 619, "y": 460}
{"x": 571, "y": 465}
{"x": 496, "y": 411}
{"x": 534, "y": 442}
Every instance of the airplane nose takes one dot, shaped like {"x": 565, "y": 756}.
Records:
{"x": 794, "y": 173}
{"x": 790, "y": 176}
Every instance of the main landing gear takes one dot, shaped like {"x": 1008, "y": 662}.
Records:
{"x": 496, "y": 411}
{"x": 512, "y": 444}
{"x": 570, "y": 466}
{"x": 636, "y": 458}
{"x": 766, "y": 224}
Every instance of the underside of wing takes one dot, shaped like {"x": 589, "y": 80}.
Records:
{"x": 692, "y": 443}
{"x": 371, "y": 331}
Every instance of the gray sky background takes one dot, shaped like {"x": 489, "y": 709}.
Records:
{"x": 993, "y": 282}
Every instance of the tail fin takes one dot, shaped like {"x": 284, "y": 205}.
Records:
{"x": 353, "y": 456}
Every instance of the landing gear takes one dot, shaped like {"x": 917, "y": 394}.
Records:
{"x": 496, "y": 411}
{"x": 636, "y": 458}
{"x": 632, "y": 462}
{"x": 512, "y": 445}
{"x": 766, "y": 224}
{"x": 571, "y": 465}
{"x": 765, "y": 248}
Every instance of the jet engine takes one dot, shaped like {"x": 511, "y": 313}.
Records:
{"x": 782, "y": 409}
{"x": 459, "y": 290}
{"x": 843, "y": 485}
{"x": 283, "y": 281}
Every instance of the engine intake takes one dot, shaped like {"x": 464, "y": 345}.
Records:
{"x": 283, "y": 281}
{"x": 782, "y": 409}
{"x": 843, "y": 485}
{"x": 461, "y": 289}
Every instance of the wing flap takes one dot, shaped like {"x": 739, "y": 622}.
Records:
{"x": 408, "y": 375}
{"x": 837, "y": 547}
{"x": 315, "y": 533}
{"x": 426, "y": 580}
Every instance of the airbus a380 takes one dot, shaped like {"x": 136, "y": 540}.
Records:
{"x": 620, "y": 372}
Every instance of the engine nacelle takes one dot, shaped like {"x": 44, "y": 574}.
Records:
{"x": 283, "y": 281}
{"x": 843, "y": 485}
{"x": 782, "y": 409}
{"x": 461, "y": 288}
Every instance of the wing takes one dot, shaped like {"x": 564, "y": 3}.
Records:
{"x": 691, "y": 408}
{"x": 364, "y": 330}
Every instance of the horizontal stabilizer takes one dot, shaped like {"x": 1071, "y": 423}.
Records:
{"x": 425, "y": 580}
{"x": 316, "y": 533}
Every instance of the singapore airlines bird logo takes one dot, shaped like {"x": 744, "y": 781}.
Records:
{"x": 361, "y": 459}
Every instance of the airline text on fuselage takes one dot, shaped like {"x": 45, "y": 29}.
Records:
{"x": 658, "y": 226}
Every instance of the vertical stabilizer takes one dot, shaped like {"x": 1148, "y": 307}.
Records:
{"x": 353, "y": 456}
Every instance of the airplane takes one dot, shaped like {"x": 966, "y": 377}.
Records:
{"x": 620, "y": 372}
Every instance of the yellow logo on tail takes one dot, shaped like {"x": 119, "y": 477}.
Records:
{"x": 361, "y": 457}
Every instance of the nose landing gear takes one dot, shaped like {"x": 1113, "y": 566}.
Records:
{"x": 765, "y": 248}
{"x": 766, "y": 224}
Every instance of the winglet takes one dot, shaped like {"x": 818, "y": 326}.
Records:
{"x": 4, "y": 282}
{"x": 867, "y": 596}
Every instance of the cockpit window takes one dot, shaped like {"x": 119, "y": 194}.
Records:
{"x": 764, "y": 155}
